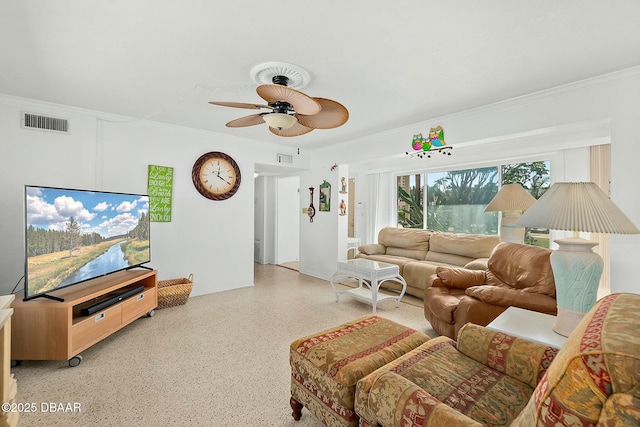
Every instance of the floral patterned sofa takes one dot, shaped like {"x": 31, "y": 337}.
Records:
{"x": 490, "y": 378}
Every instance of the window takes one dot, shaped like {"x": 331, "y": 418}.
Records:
{"x": 454, "y": 201}
{"x": 410, "y": 201}
{"x": 534, "y": 177}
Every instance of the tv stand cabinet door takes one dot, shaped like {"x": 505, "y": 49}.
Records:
{"x": 40, "y": 331}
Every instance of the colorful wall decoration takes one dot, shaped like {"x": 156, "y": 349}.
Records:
{"x": 435, "y": 142}
{"x": 160, "y": 189}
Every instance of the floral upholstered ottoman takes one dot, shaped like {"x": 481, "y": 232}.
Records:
{"x": 326, "y": 366}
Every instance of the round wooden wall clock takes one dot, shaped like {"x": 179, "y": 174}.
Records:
{"x": 216, "y": 175}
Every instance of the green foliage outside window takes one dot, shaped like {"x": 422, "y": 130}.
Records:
{"x": 534, "y": 177}
{"x": 455, "y": 200}
{"x": 410, "y": 212}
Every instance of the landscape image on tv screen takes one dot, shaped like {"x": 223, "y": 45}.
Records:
{"x": 76, "y": 235}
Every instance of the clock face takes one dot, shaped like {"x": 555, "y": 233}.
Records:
{"x": 216, "y": 176}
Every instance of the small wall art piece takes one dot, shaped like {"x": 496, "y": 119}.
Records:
{"x": 343, "y": 185}
{"x": 325, "y": 196}
{"x": 160, "y": 189}
{"x": 424, "y": 146}
{"x": 311, "y": 211}
{"x": 343, "y": 208}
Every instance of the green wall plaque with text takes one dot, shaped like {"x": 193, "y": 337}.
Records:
{"x": 160, "y": 189}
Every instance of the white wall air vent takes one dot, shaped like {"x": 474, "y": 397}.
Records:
{"x": 36, "y": 121}
{"x": 285, "y": 158}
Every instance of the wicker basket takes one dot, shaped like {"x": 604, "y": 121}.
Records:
{"x": 174, "y": 292}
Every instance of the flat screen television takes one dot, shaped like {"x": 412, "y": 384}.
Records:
{"x": 72, "y": 236}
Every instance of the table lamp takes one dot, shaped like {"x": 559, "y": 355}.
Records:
{"x": 512, "y": 199}
{"x": 576, "y": 206}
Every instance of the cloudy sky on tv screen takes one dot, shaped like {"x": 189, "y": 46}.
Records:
{"x": 108, "y": 214}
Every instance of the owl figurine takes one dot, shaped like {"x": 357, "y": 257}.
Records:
{"x": 417, "y": 141}
{"x": 436, "y": 136}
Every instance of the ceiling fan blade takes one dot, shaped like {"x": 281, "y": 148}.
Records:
{"x": 332, "y": 115}
{"x": 252, "y": 120}
{"x": 301, "y": 102}
{"x": 295, "y": 130}
{"x": 240, "y": 105}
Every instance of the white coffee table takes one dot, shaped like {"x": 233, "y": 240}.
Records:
{"x": 531, "y": 325}
{"x": 370, "y": 275}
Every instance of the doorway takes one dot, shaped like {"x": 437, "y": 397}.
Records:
{"x": 288, "y": 221}
{"x": 351, "y": 215}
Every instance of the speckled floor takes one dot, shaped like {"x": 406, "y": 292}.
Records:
{"x": 221, "y": 359}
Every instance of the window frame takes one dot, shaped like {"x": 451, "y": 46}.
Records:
{"x": 544, "y": 157}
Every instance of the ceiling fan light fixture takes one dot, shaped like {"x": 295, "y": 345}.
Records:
{"x": 279, "y": 120}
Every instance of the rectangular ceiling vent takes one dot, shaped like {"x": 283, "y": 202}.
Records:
{"x": 53, "y": 124}
{"x": 285, "y": 158}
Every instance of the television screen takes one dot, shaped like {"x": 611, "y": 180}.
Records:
{"x": 76, "y": 235}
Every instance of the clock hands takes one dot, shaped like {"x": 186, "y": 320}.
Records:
{"x": 217, "y": 173}
{"x": 223, "y": 179}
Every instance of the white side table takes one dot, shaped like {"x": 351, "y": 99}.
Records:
{"x": 531, "y": 325}
{"x": 353, "y": 243}
{"x": 370, "y": 275}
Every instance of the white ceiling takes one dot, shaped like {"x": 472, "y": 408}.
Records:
{"x": 391, "y": 64}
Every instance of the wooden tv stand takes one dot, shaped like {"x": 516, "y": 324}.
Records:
{"x": 43, "y": 329}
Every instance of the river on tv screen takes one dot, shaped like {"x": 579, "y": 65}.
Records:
{"x": 76, "y": 235}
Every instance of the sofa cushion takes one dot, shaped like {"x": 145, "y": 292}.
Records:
{"x": 396, "y": 401}
{"x": 476, "y": 390}
{"x": 414, "y": 241}
{"x": 468, "y": 245}
{"x": 443, "y": 258}
{"x": 477, "y": 264}
{"x": 372, "y": 249}
{"x": 460, "y": 278}
{"x": 506, "y": 297}
{"x": 397, "y": 260}
{"x": 519, "y": 358}
{"x": 523, "y": 267}
{"x": 443, "y": 302}
{"x": 417, "y": 273}
{"x": 599, "y": 360}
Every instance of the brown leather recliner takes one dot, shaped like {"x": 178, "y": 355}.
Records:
{"x": 517, "y": 275}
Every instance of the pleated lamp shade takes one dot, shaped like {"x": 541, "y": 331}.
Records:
{"x": 511, "y": 197}
{"x": 577, "y": 206}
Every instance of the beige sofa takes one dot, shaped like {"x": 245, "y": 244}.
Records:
{"x": 419, "y": 252}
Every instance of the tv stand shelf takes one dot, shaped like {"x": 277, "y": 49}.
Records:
{"x": 44, "y": 329}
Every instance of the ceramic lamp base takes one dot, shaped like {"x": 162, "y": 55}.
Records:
{"x": 509, "y": 231}
{"x": 566, "y": 321}
{"x": 576, "y": 271}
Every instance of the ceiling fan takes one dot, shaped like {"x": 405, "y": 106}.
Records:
{"x": 288, "y": 111}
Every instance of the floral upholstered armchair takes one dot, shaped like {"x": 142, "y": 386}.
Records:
{"x": 490, "y": 378}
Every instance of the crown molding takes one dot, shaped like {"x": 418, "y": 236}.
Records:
{"x": 603, "y": 80}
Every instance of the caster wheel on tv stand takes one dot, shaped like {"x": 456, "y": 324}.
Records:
{"x": 75, "y": 361}
{"x": 151, "y": 313}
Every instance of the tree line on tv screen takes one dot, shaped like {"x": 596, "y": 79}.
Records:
{"x": 40, "y": 241}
